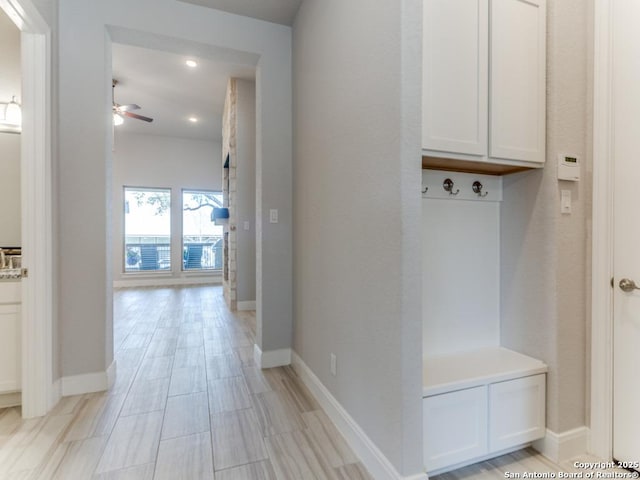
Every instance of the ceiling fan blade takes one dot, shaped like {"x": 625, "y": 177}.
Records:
{"x": 128, "y": 107}
{"x": 135, "y": 115}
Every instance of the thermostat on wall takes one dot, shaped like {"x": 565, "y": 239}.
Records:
{"x": 568, "y": 168}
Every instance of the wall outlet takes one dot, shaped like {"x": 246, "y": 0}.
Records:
{"x": 334, "y": 364}
{"x": 246, "y": 225}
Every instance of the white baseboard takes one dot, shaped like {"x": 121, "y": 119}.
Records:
{"x": 271, "y": 358}
{"x": 88, "y": 382}
{"x": 247, "y": 305}
{"x": 372, "y": 458}
{"x": 167, "y": 282}
{"x": 560, "y": 447}
{"x": 10, "y": 399}
{"x": 56, "y": 393}
{"x": 111, "y": 375}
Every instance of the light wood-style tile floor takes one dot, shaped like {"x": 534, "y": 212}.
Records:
{"x": 526, "y": 463}
{"x": 188, "y": 404}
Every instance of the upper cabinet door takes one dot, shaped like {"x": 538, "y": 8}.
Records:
{"x": 518, "y": 79}
{"x": 455, "y": 76}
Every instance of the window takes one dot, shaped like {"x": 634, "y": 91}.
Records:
{"x": 201, "y": 238}
{"x": 147, "y": 229}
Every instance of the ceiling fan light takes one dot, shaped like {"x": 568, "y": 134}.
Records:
{"x": 191, "y": 63}
{"x": 117, "y": 119}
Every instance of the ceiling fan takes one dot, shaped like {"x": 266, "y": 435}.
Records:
{"x": 121, "y": 111}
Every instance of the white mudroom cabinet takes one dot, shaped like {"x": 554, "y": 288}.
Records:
{"x": 484, "y": 84}
{"x": 480, "y": 399}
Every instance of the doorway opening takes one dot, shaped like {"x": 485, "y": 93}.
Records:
{"x": 39, "y": 368}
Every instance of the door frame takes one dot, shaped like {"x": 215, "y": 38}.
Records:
{"x": 38, "y": 390}
{"x": 601, "y": 438}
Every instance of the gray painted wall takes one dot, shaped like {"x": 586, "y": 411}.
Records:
{"x": 545, "y": 278}
{"x": 162, "y": 162}
{"x": 357, "y": 213}
{"x": 246, "y": 190}
{"x": 84, "y": 164}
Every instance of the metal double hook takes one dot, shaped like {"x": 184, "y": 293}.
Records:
{"x": 477, "y": 189}
{"x": 448, "y": 187}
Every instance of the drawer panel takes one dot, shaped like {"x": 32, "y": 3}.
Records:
{"x": 516, "y": 412}
{"x": 455, "y": 427}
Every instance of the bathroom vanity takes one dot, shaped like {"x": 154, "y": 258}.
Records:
{"x": 10, "y": 332}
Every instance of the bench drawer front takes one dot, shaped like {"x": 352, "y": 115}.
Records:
{"x": 455, "y": 427}
{"x": 516, "y": 412}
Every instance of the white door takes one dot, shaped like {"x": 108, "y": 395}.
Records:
{"x": 626, "y": 153}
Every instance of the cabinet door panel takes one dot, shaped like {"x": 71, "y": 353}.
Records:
{"x": 455, "y": 427}
{"x": 455, "y": 76}
{"x": 516, "y": 411}
{"x": 10, "y": 350}
{"x": 518, "y": 76}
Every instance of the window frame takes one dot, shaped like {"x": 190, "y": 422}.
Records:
{"x": 168, "y": 271}
{"x": 182, "y": 243}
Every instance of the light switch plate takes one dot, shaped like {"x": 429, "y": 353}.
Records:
{"x": 273, "y": 215}
{"x": 565, "y": 201}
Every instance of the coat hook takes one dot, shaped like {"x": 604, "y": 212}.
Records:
{"x": 477, "y": 189}
{"x": 424, "y": 190}
{"x": 448, "y": 187}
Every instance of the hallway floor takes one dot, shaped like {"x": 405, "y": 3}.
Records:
{"x": 188, "y": 403}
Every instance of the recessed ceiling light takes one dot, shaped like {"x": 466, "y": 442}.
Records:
{"x": 193, "y": 119}
{"x": 191, "y": 63}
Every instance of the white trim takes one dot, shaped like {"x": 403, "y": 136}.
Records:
{"x": 247, "y": 305}
{"x": 602, "y": 250}
{"x": 88, "y": 382}
{"x": 560, "y": 447}
{"x": 271, "y": 358}
{"x": 373, "y": 459}
{"x": 166, "y": 282}
{"x": 56, "y": 392}
{"x": 10, "y": 399}
{"x": 37, "y": 199}
{"x": 111, "y": 374}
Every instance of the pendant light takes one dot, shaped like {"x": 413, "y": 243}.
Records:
{"x": 13, "y": 113}
{"x": 11, "y": 119}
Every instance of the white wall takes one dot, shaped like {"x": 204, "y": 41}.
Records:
{"x": 357, "y": 213}
{"x": 10, "y": 213}
{"x": 162, "y": 162}
{"x": 246, "y": 191}
{"x": 84, "y": 163}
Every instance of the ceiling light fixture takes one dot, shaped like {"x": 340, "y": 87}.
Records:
{"x": 191, "y": 63}
{"x": 193, "y": 119}
{"x": 117, "y": 119}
